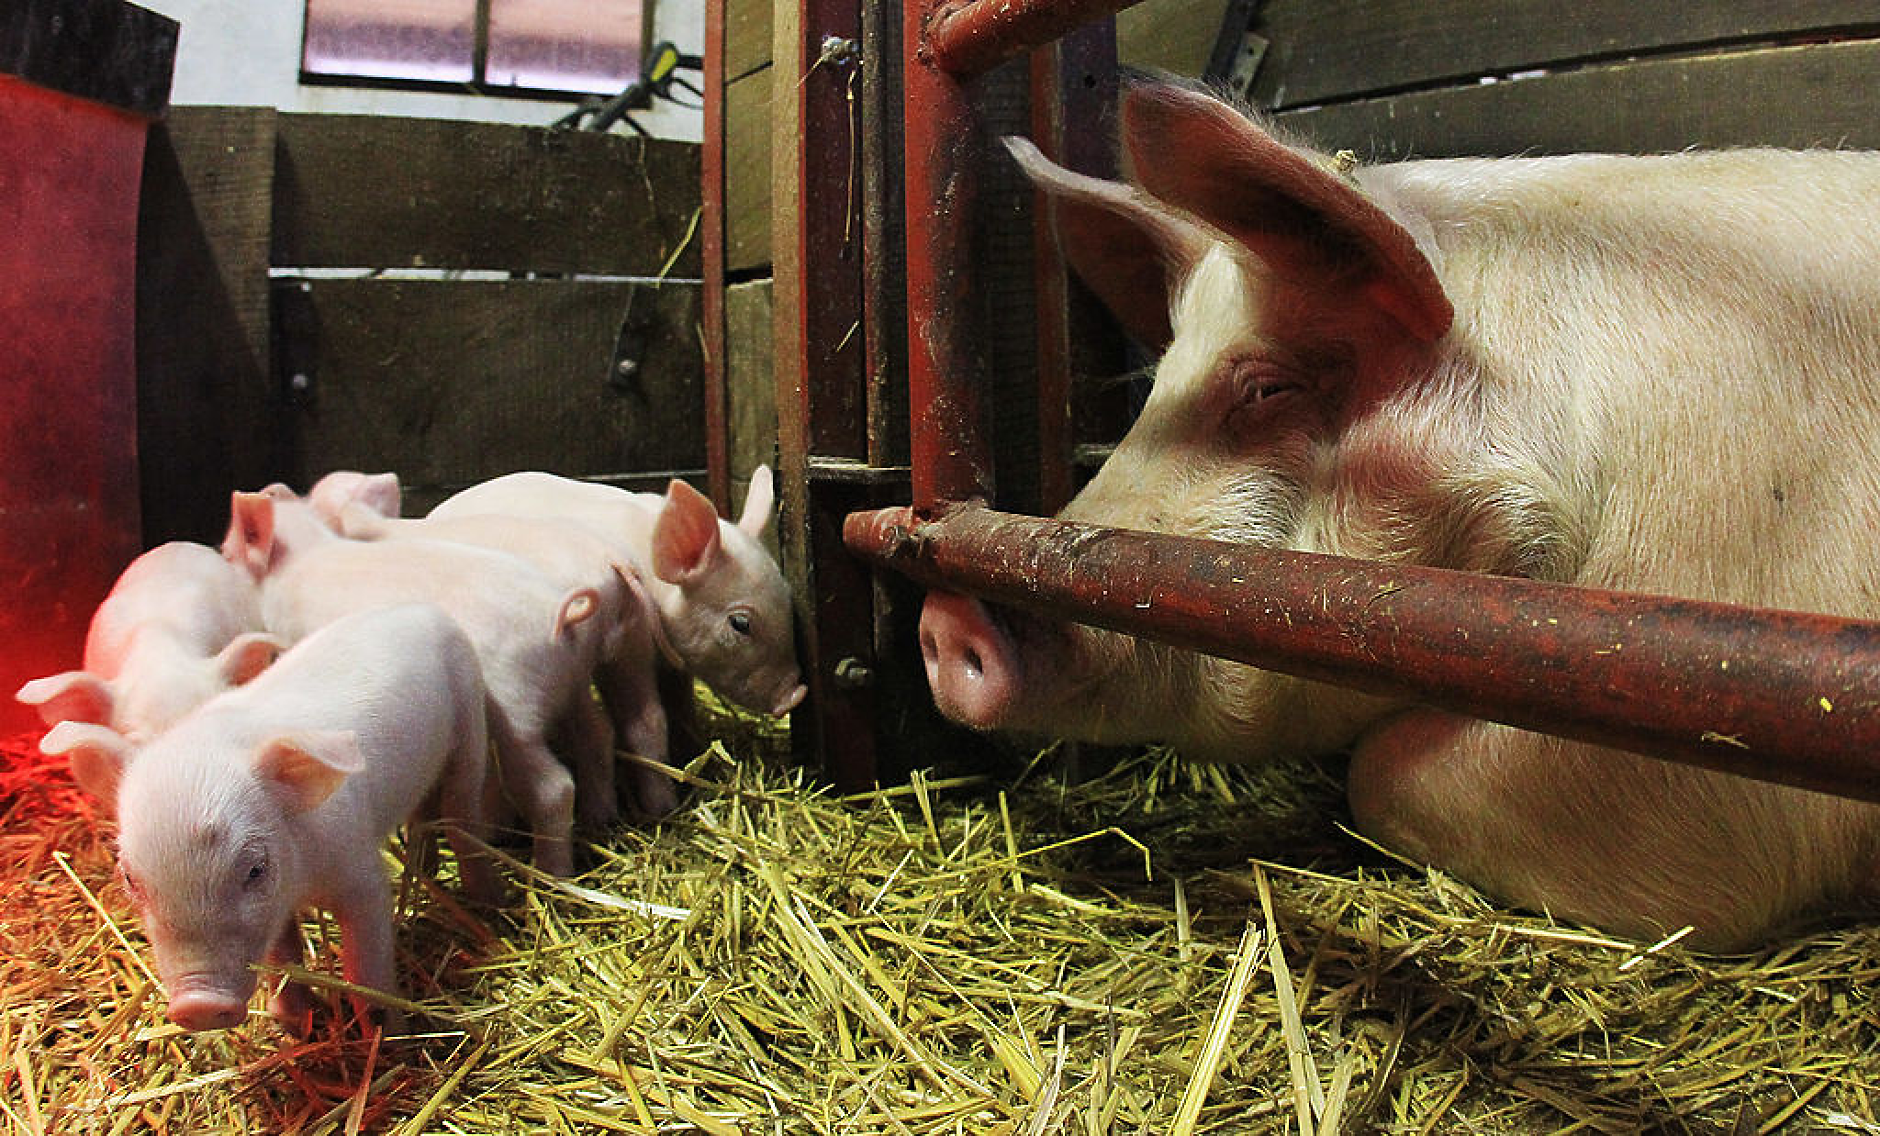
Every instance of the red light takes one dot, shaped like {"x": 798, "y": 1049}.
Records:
{"x": 69, "y": 173}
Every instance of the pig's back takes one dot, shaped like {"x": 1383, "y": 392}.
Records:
{"x": 1691, "y": 344}
{"x": 402, "y": 677}
{"x": 187, "y": 591}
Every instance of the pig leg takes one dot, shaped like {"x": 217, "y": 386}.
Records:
{"x": 364, "y": 911}
{"x": 632, "y": 693}
{"x": 292, "y": 1004}
{"x": 463, "y": 811}
{"x": 588, "y": 739}
{"x": 1532, "y": 820}
{"x": 540, "y": 787}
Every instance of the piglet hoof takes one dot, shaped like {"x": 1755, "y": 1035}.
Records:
{"x": 656, "y": 793}
{"x": 483, "y": 887}
{"x": 292, "y": 1007}
{"x": 554, "y": 857}
{"x": 598, "y": 811}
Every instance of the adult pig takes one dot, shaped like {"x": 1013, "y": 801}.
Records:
{"x": 278, "y": 796}
{"x": 1656, "y": 374}
{"x": 724, "y": 609}
{"x": 179, "y": 626}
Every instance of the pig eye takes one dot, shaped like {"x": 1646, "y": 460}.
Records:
{"x": 740, "y": 622}
{"x": 257, "y": 872}
{"x": 131, "y": 884}
{"x": 1259, "y": 383}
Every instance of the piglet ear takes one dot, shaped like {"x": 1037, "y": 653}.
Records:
{"x": 99, "y": 756}
{"x": 380, "y": 492}
{"x": 758, "y": 502}
{"x": 74, "y": 696}
{"x": 1291, "y": 207}
{"x": 1123, "y": 245}
{"x": 247, "y": 656}
{"x": 685, "y": 537}
{"x": 304, "y": 768}
{"x": 250, "y": 540}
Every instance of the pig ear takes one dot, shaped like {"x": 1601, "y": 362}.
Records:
{"x": 1120, "y": 243}
{"x": 75, "y": 696}
{"x": 99, "y": 756}
{"x": 685, "y": 537}
{"x": 359, "y": 521}
{"x": 250, "y": 540}
{"x": 380, "y": 493}
{"x": 758, "y": 502}
{"x": 1288, "y": 206}
{"x": 247, "y": 656}
{"x": 305, "y": 768}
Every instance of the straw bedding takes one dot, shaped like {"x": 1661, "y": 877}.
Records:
{"x": 1165, "y": 948}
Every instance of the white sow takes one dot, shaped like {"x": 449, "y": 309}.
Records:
{"x": 278, "y": 796}
{"x": 1655, "y": 374}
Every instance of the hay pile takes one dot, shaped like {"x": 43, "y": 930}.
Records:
{"x": 1126, "y": 955}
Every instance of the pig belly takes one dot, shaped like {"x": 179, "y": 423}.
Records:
{"x": 1630, "y": 844}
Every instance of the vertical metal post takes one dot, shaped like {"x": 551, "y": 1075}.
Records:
{"x": 712, "y": 258}
{"x": 818, "y": 311}
{"x": 948, "y": 448}
{"x": 1073, "y": 93}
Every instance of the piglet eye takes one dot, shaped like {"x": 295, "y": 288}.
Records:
{"x": 257, "y": 873}
{"x": 131, "y": 884}
{"x": 740, "y": 622}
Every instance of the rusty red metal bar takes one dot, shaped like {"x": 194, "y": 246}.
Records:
{"x": 966, "y": 37}
{"x": 712, "y": 259}
{"x": 948, "y": 451}
{"x": 1779, "y": 696}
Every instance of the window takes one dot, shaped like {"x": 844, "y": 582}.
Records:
{"x": 522, "y": 47}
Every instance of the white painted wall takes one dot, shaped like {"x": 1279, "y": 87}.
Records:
{"x": 247, "y": 53}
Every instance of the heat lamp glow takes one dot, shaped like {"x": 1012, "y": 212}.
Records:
{"x": 68, "y": 472}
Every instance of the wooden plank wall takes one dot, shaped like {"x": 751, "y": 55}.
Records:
{"x": 1398, "y": 78}
{"x": 274, "y": 346}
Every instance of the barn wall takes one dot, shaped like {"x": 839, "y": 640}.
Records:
{"x": 446, "y": 300}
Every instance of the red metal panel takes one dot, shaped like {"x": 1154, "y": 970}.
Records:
{"x": 1780, "y": 696}
{"x": 69, "y": 171}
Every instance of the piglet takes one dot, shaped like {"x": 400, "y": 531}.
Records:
{"x": 624, "y": 629}
{"x": 179, "y": 626}
{"x": 724, "y": 608}
{"x": 278, "y": 796}
{"x": 333, "y": 494}
{"x": 531, "y": 638}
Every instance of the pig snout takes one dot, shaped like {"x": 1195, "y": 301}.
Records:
{"x": 972, "y": 663}
{"x": 199, "y": 1009}
{"x": 790, "y": 700}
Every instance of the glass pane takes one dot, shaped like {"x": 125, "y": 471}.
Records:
{"x": 564, "y": 45}
{"x": 433, "y": 40}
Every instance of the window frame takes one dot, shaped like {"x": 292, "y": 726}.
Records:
{"x": 478, "y": 85}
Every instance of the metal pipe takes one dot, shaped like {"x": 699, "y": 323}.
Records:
{"x": 1780, "y": 696}
{"x": 968, "y": 37}
{"x": 948, "y": 449}
{"x": 712, "y": 332}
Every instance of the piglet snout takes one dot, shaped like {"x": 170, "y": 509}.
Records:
{"x": 790, "y": 701}
{"x": 197, "y": 1010}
